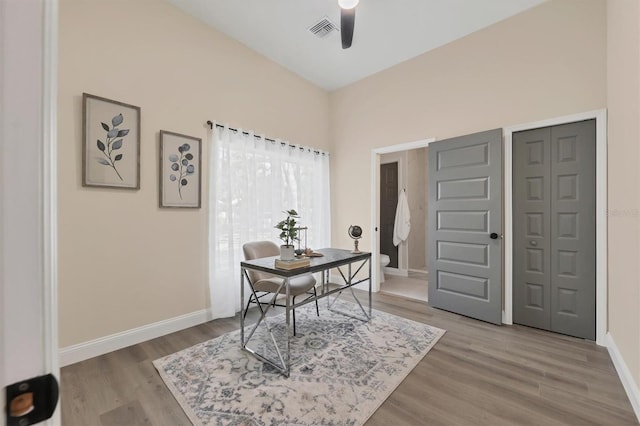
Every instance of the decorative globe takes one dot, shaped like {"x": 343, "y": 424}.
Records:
{"x": 355, "y": 232}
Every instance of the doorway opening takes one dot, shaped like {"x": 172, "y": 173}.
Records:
{"x": 400, "y": 269}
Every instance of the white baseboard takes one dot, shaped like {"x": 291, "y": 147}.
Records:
{"x": 80, "y": 352}
{"x": 629, "y": 384}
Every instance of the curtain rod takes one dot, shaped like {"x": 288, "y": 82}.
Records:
{"x": 210, "y": 124}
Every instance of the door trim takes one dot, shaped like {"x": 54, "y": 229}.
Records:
{"x": 601, "y": 213}
{"x": 375, "y": 199}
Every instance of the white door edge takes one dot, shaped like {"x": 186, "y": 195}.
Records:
{"x": 601, "y": 213}
{"x": 37, "y": 112}
{"x": 3, "y": 382}
{"x": 50, "y": 194}
{"x": 375, "y": 191}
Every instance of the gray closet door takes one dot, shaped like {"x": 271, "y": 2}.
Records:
{"x": 561, "y": 297}
{"x": 465, "y": 209}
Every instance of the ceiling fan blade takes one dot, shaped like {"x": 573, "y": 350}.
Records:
{"x": 347, "y": 22}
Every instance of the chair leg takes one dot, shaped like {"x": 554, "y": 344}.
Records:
{"x": 316, "y": 296}
{"x": 247, "y": 308}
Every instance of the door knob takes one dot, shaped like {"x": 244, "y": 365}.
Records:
{"x": 533, "y": 242}
{"x": 493, "y": 236}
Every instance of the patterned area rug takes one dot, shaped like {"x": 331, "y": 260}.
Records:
{"x": 342, "y": 370}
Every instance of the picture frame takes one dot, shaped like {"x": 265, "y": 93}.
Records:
{"x": 110, "y": 143}
{"x": 180, "y": 170}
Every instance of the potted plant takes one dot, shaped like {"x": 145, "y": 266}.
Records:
{"x": 288, "y": 234}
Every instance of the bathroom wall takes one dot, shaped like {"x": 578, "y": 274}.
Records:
{"x": 417, "y": 179}
{"x": 412, "y": 175}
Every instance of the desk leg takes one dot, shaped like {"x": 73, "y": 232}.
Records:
{"x": 288, "y": 327}
{"x": 370, "y": 287}
{"x": 263, "y": 317}
{"x": 349, "y": 283}
{"x": 242, "y": 308}
{"x": 327, "y": 286}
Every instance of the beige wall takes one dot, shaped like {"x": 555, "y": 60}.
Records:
{"x": 623, "y": 101}
{"x": 124, "y": 262}
{"x": 546, "y": 62}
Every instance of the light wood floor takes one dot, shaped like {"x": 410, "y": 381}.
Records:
{"x": 477, "y": 374}
{"x": 414, "y": 286}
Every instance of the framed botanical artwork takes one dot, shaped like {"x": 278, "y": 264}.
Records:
{"x": 110, "y": 143}
{"x": 180, "y": 170}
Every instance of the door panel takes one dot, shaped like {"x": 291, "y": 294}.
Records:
{"x": 465, "y": 207}
{"x": 471, "y": 189}
{"x": 471, "y": 254}
{"x": 531, "y": 224}
{"x": 463, "y": 221}
{"x": 573, "y": 225}
{"x": 554, "y": 228}
{"x": 388, "y": 205}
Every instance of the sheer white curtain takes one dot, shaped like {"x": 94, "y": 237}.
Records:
{"x": 252, "y": 180}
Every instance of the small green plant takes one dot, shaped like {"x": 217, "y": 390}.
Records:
{"x": 287, "y": 227}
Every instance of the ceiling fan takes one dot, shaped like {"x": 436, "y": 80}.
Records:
{"x": 347, "y": 21}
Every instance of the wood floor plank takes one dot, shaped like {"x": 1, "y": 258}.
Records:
{"x": 128, "y": 414}
{"x": 598, "y": 409}
{"x": 530, "y": 407}
{"x": 479, "y": 404}
{"x": 477, "y": 374}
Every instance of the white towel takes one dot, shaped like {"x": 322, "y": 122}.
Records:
{"x": 402, "y": 225}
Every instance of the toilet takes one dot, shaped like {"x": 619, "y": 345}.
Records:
{"x": 384, "y": 261}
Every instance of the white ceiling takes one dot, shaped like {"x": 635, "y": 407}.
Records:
{"x": 387, "y": 32}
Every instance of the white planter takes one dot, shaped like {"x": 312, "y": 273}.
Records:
{"x": 287, "y": 253}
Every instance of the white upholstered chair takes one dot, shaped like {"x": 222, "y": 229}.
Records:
{"x": 265, "y": 284}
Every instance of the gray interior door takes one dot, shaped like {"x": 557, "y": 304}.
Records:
{"x": 465, "y": 225}
{"x": 388, "y": 205}
{"x": 554, "y": 228}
